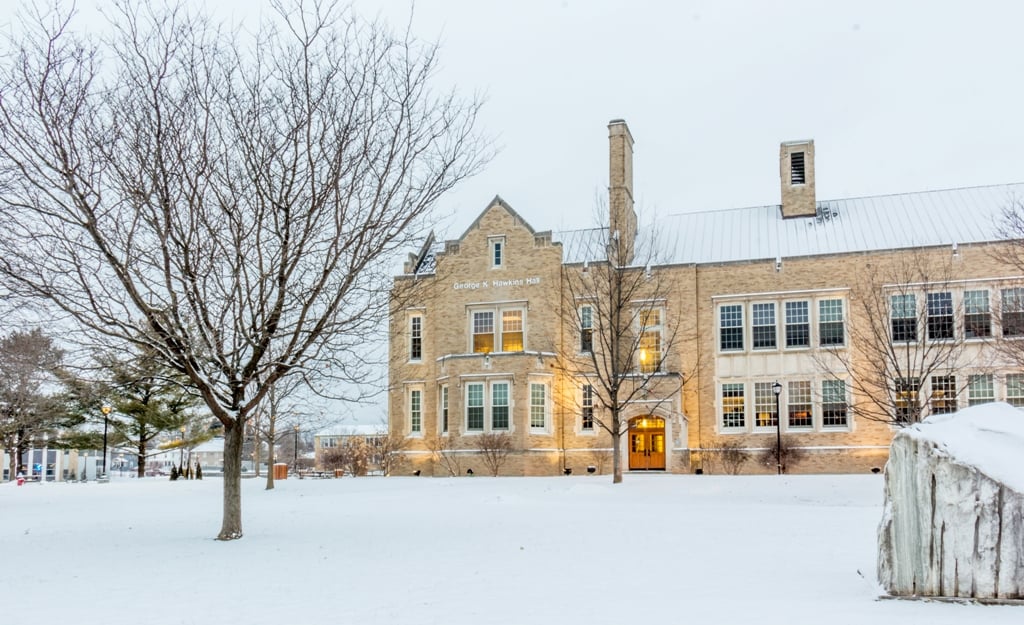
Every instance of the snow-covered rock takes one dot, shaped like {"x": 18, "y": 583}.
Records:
{"x": 953, "y": 521}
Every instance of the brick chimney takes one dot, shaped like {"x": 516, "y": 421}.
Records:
{"x": 621, "y": 216}
{"x": 796, "y": 170}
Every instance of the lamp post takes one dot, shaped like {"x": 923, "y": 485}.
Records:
{"x": 181, "y": 449}
{"x": 105, "y": 409}
{"x": 777, "y": 389}
{"x": 295, "y": 456}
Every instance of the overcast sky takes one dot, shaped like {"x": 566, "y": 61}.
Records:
{"x": 898, "y": 96}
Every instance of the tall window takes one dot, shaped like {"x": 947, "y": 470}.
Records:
{"x": 415, "y": 411}
{"x": 499, "y": 405}
{"x": 731, "y": 327}
{"x": 538, "y": 405}
{"x": 733, "y": 406}
{"x": 444, "y": 409}
{"x": 798, "y": 325}
{"x": 977, "y": 315}
{"x": 830, "y": 323}
{"x": 497, "y": 251}
{"x": 980, "y": 390}
{"x": 586, "y": 329}
{"x": 650, "y": 340}
{"x": 1013, "y": 312}
{"x": 1015, "y": 389}
{"x": 475, "y": 406}
{"x": 512, "y": 330}
{"x": 943, "y": 394}
{"x": 907, "y": 409}
{"x": 415, "y": 337}
{"x": 833, "y": 403}
{"x": 588, "y": 407}
{"x": 940, "y": 315}
{"x": 764, "y": 326}
{"x": 764, "y": 405}
{"x": 904, "y": 317}
{"x": 799, "y": 395}
{"x": 483, "y": 331}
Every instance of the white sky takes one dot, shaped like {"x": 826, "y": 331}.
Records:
{"x": 898, "y": 96}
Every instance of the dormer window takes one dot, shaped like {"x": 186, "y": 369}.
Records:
{"x": 797, "y": 174}
{"x": 497, "y": 251}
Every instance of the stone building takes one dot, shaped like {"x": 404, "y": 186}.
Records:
{"x": 796, "y": 336}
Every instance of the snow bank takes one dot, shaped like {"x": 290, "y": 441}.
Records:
{"x": 953, "y": 521}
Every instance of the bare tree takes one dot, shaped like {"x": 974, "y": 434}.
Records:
{"x": 731, "y": 455}
{"x": 387, "y": 451}
{"x": 229, "y": 204}
{"x": 782, "y": 453}
{"x": 443, "y": 452}
{"x": 495, "y": 448}
{"x": 352, "y": 455}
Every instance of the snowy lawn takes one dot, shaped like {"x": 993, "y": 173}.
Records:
{"x": 568, "y": 550}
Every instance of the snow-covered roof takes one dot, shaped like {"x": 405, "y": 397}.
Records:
{"x": 900, "y": 221}
{"x": 214, "y": 445}
{"x": 356, "y": 429}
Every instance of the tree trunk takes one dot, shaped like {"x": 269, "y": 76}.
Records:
{"x": 256, "y": 451}
{"x": 141, "y": 469}
{"x": 12, "y": 472}
{"x": 231, "y": 528}
{"x": 616, "y": 450}
{"x": 271, "y": 437}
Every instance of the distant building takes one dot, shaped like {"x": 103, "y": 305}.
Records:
{"x": 337, "y": 436}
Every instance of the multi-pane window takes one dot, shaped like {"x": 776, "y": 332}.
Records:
{"x": 415, "y": 411}
{"x": 764, "y": 405}
{"x": 733, "y": 406}
{"x": 904, "y": 317}
{"x": 799, "y": 394}
{"x": 943, "y": 394}
{"x": 940, "y": 315}
{"x": 650, "y": 340}
{"x": 586, "y": 329}
{"x": 833, "y": 403}
{"x": 497, "y": 251}
{"x": 731, "y": 327}
{"x": 831, "y": 332}
{"x": 415, "y": 337}
{"x": 588, "y": 407}
{"x": 499, "y": 405}
{"x": 538, "y": 405}
{"x": 907, "y": 409}
{"x": 1015, "y": 389}
{"x": 444, "y": 408}
{"x": 483, "y": 331}
{"x": 475, "y": 406}
{"x": 512, "y": 330}
{"x": 798, "y": 325}
{"x": 980, "y": 390}
{"x": 1013, "y": 312}
{"x": 977, "y": 315}
{"x": 763, "y": 325}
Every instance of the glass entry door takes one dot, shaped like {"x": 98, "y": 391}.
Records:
{"x": 647, "y": 444}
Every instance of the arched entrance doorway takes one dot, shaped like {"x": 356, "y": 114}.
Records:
{"x": 647, "y": 444}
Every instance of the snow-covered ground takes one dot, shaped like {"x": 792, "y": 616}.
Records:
{"x": 568, "y": 550}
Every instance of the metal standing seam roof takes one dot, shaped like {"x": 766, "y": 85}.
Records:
{"x": 899, "y": 221}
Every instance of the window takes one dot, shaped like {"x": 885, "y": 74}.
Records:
{"x": 650, "y": 340}
{"x": 416, "y": 337}
{"x": 907, "y": 410}
{"x": 733, "y": 407}
{"x": 831, "y": 332}
{"x": 800, "y": 404}
{"x": 764, "y": 326}
{"x": 797, "y": 173}
{"x": 1015, "y": 389}
{"x": 328, "y": 442}
{"x": 444, "y": 409}
{"x": 943, "y": 394}
{"x": 764, "y": 405}
{"x": 475, "y": 407}
{"x": 497, "y": 251}
{"x": 833, "y": 403}
{"x": 1013, "y": 312}
{"x": 904, "y": 317}
{"x": 499, "y": 405}
{"x": 977, "y": 315}
{"x": 798, "y": 325}
{"x": 586, "y": 329}
{"x": 731, "y": 327}
{"x": 538, "y": 406}
{"x": 588, "y": 407}
{"x": 415, "y": 411}
{"x": 980, "y": 390}
{"x": 940, "y": 315}
{"x": 483, "y": 331}
{"x": 512, "y": 330}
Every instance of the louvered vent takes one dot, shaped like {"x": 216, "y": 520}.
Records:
{"x": 796, "y": 171}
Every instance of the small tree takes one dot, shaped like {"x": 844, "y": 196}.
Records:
{"x": 784, "y": 453}
{"x": 495, "y": 448}
{"x": 199, "y": 471}
{"x": 443, "y": 452}
{"x": 174, "y": 473}
{"x": 387, "y": 449}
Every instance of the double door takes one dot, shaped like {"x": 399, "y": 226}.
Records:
{"x": 647, "y": 444}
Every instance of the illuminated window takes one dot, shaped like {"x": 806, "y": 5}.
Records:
{"x": 831, "y": 332}
{"x": 650, "y": 340}
{"x": 940, "y": 315}
{"x": 415, "y": 337}
{"x": 977, "y": 315}
{"x": 499, "y": 405}
{"x": 1015, "y": 389}
{"x": 475, "y": 407}
{"x": 907, "y": 410}
{"x": 588, "y": 407}
{"x": 763, "y": 326}
{"x": 444, "y": 409}
{"x": 904, "y": 317}
{"x": 730, "y": 327}
{"x": 980, "y": 390}
{"x": 733, "y": 406}
{"x": 764, "y": 405}
{"x": 498, "y": 329}
{"x": 586, "y": 329}
{"x": 798, "y": 325}
{"x": 833, "y": 403}
{"x": 483, "y": 331}
{"x": 1013, "y": 312}
{"x": 415, "y": 411}
{"x": 512, "y": 330}
{"x": 943, "y": 394}
{"x": 799, "y": 404}
{"x": 538, "y": 406}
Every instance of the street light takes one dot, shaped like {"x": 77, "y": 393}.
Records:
{"x": 777, "y": 389}
{"x": 181, "y": 450}
{"x": 105, "y": 409}
{"x": 295, "y": 456}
